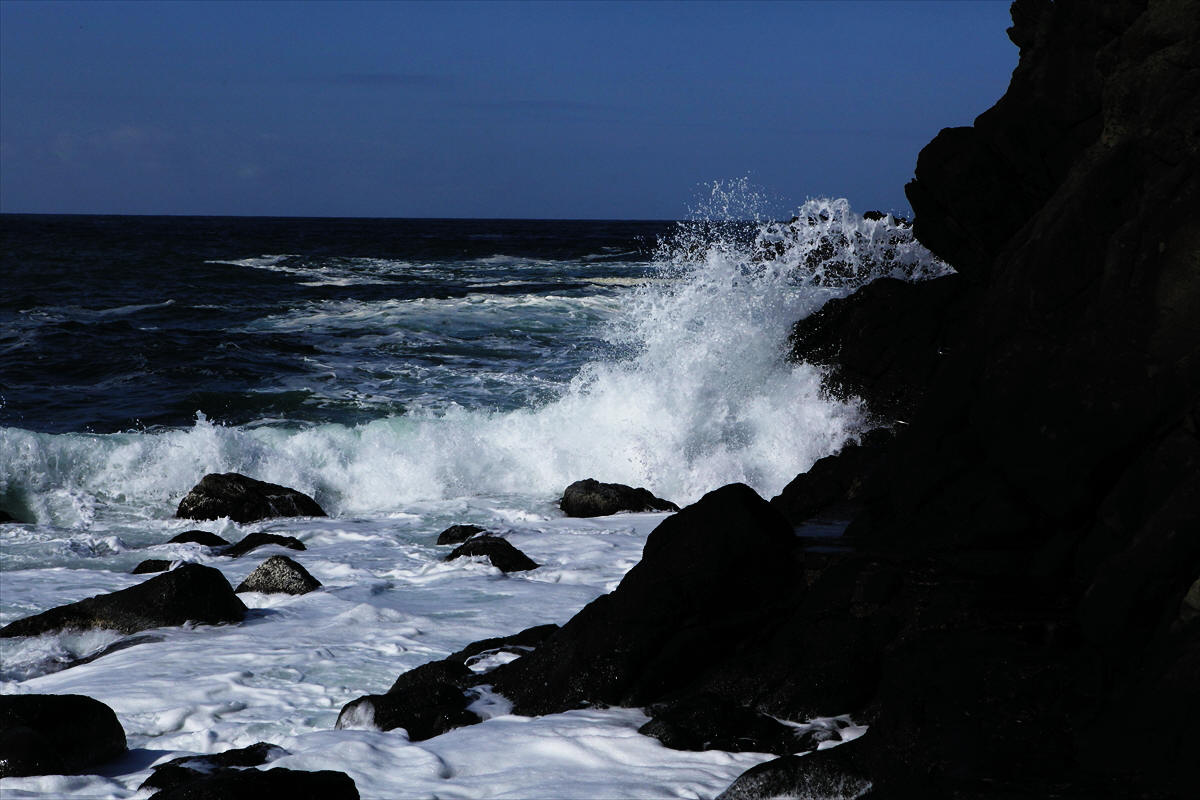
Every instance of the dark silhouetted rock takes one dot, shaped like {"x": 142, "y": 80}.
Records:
{"x": 1034, "y": 523}
{"x": 522, "y": 642}
{"x": 151, "y": 565}
{"x": 253, "y": 784}
{"x": 260, "y": 539}
{"x": 43, "y": 734}
{"x": 435, "y": 673}
{"x": 179, "y": 771}
{"x": 191, "y": 593}
{"x": 457, "y": 534}
{"x": 6, "y": 517}
{"x": 279, "y": 574}
{"x": 831, "y": 487}
{"x": 244, "y": 499}
{"x": 199, "y": 537}
{"x": 711, "y": 722}
{"x": 710, "y": 578}
{"x": 500, "y": 552}
{"x": 424, "y": 709}
{"x": 827, "y": 774}
{"x": 590, "y": 498}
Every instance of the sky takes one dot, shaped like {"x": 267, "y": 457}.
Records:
{"x": 569, "y": 110}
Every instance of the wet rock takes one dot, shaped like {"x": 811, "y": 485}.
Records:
{"x": 425, "y": 709}
{"x": 831, "y": 489}
{"x": 590, "y": 498}
{"x": 199, "y": 537}
{"x": 711, "y": 722}
{"x": 825, "y": 775}
{"x": 6, "y": 517}
{"x": 179, "y": 771}
{"x": 711, "y": 577}
{"x": 244, "y": 499}
{"x": 260, "y": 539}
{"x": 500, "y": 552}
{"x": 254, "y": 784}
{"x": 151, "y": 565}
{"x": 43, "y": 734}
{"x": 191, "y": 593}
{"x": 445, "y": 672}
{"x": 522, "y": 643}
{"x": 457, "y": 534}
{"x": 279, "y": 574}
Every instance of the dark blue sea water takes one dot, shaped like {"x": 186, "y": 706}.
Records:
{"x": 109, "y": 323}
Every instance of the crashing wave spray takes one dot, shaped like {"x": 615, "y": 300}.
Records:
{"x": 703, "y": 395}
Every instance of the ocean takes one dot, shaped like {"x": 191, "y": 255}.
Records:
{"x": 409, "y": 375}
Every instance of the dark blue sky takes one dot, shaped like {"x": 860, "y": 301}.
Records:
{"x": 496, "y": 109}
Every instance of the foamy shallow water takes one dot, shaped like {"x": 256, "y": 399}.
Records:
{"x": 388, "y": 604}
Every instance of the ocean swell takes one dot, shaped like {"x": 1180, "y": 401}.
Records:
{"x": 699, "y": 394}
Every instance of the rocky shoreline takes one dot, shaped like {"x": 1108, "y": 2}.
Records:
{"x": 1014, "y": 606}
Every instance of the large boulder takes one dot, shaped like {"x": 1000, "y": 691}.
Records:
{"x": 711, "y": 577}
{"x": 832, "y": 487}
{"x": 244, "y": 500}
{"x": 44, "y": 734}
{"x": 191, "y": 593}
{"x": 279, "y": 574}
{"x": 590, "y": 498}
{"x": 500, "y": 552}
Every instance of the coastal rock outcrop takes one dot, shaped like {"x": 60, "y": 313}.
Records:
{"x": 45, "y": 734}
{"x": 279, "y": 575}
{"x": 244, "y": 499}
{"x": 711, "y": 722}
{"x": 590, "y": 498}
{"x": 424, "y": 710}
{"x": 191, "y": 593}
{"x": 1033, "y": 525}
{"x": 500, "y": 552}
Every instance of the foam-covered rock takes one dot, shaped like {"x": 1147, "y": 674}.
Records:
{"x": 43, "y": 734}
{"x": 590, "y": 498}
{"x": 279, "y": 574}
{"x": 244, "y": 499}
{"x": 191, "y": 593}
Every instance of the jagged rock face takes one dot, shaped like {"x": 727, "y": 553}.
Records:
{"x": 43, "y": 734}
{"x": 279, "y": 575}
{"x": 191, "y": 593}
{"x": 1053, "y": 456}
{"x": 244, "y": 500}
{"x": 590, "y": 498}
